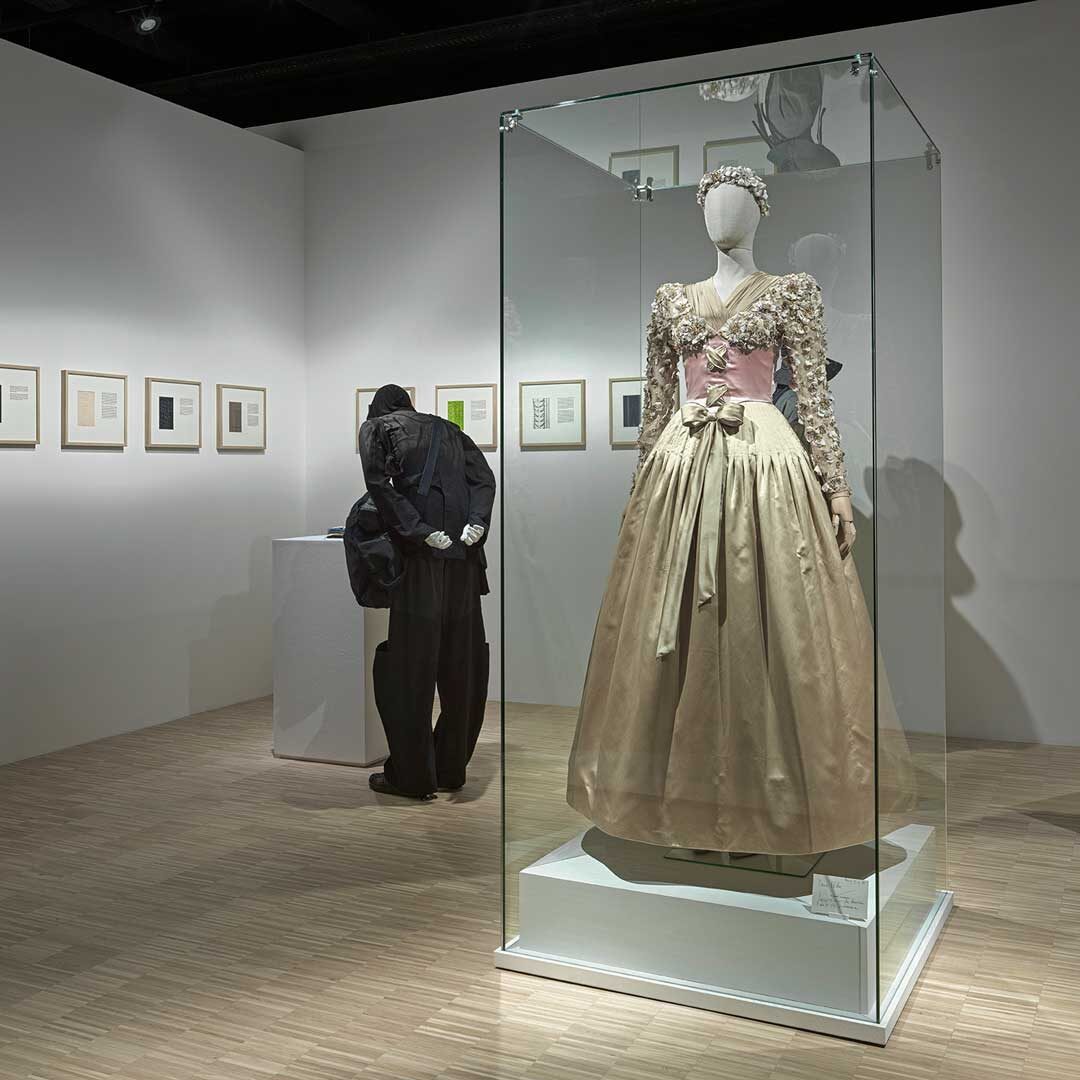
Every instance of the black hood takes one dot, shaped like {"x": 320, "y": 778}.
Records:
{"x": 389, "y": 398}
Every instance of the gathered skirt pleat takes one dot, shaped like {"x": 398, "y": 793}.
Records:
{"x": 756, "y": 732}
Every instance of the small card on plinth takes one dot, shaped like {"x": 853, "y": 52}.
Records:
{"x": 847, "y": 897}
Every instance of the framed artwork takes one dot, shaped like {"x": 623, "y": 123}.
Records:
{"x": 625, "y": 400}
{"x": 173, "y": 414}
{"x": 474, "y": 408}
{"x": 93, "y": 410}
{"x": 552, "y": 415}
{"x": 20, "y": 405}
{"x": 364, "y": 395}
{"x": 241, "y": 417}
{"x": 660, "y": 164}
{"x": 753, "y": 152}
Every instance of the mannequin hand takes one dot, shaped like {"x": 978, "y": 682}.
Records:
{"x": 438, "y": 540}
{"x": 843, "y": 522}
{"x": 471, "y": 534}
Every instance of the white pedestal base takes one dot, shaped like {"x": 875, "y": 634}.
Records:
{"x": 608, "y": 913}
{"x": 324, "y": 643}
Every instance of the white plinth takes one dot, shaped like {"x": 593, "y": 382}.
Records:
{"x": 608, "y": 913}
{"x": 324, "y": 709}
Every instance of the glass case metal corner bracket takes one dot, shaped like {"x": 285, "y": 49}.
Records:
{"x": 643, "y": 192}
{"x": 933, "y": 156}
{"x": 509, "y": 120}
{"x": 863, "y": 60}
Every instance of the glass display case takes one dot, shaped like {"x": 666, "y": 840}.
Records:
{"x": 723, "y": 723}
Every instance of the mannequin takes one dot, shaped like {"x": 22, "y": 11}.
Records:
{"x": 728, "y": 703}
{"x": 431, "y": 485}
{"x": 731, "y": 220}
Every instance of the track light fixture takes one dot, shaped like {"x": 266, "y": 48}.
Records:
{"x": 147, "y": 24}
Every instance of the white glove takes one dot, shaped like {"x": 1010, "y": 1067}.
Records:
{"x": 438, "y": 540}
{"x": 471, "y": 534}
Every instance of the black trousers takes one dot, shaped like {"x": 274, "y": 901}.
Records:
{"x": 436, "y": 639}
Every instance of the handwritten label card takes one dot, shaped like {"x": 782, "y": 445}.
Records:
{"x": 847, "y": 897}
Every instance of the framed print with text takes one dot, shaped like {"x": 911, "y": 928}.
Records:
{"x": 173, "y": 414}
{"x": 93, "y": 410}
{"x": 658, "y": 165}
{"x": 241, "y": 417}
{"x": 552, "y": 415}
{"x": 364, "y": 396}
{"x": 625, "y": 400}
{"x": 474, "y": 408}
{"x": 20, "y": 405}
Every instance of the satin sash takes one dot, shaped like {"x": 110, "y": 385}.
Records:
{"x": 710, "y": 423}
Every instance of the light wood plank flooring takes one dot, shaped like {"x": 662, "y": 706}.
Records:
{"x": 176, "y": 904}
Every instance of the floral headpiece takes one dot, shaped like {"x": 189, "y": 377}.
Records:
{"x": 740, "y": 176}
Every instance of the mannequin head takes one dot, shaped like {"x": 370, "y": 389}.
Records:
{"x": 734, "y": 199}
{"x": 389, "y": 398}
{"x": 731, "y": 216}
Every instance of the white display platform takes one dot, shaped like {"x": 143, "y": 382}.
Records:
{"x": 618, "y": 915}
{"x": 324, "y": 643}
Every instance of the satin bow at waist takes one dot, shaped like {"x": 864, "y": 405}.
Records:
{"x": 711, "y": 423}
{"x": 728, "y": 414}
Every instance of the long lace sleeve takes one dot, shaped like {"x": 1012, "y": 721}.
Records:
{"x": 661, "y": 372}
{"x": 803, "y": 343}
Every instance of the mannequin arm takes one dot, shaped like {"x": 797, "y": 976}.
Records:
{"x": 843, "y": 520}
{"x": 380, "y": 467}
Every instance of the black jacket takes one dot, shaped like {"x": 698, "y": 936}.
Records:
{"x": 394, "y": 442}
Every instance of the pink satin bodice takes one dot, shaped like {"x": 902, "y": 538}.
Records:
{"x": 747, "y": 375}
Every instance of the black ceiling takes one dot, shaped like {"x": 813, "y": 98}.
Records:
{"x": 257, "y": 61}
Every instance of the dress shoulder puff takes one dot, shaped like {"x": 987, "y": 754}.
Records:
{"x": 669, "y": 303}
{"x": 801, "y": 280}
{"x": 674, "y": 324}
{"x": 799, "y": 289}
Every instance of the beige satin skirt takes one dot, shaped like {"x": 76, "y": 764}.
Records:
{"x": 729, "y": 698}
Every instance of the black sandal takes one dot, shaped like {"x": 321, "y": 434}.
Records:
{"x": 378, "y": 783}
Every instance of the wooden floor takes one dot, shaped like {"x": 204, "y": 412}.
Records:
{"x": 178, "y": 904}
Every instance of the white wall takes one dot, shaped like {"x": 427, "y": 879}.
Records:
{"x": 398, "y": 289}
{"x": 403, "y": 283}
{"x": 137, "y": 237}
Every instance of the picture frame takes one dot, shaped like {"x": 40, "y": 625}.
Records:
{"x": 551, "y": 415}
{"x": 364, "y": 395}
{"x": 474, "y": 407}
{"x": 752, "y": 151}
{"x": 635, "y": 167}
{"x": 20, "y": 405}
{"x": 173, "y": 414}
{"x": 241, "y": 417}
{"x": 93, "y": 410}
{"x": 626, "y": 399}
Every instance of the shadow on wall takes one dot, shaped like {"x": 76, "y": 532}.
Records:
{"x": 982, "y": 697}
{"x": 979, "y": 689}
{"x": 237, "y": 647}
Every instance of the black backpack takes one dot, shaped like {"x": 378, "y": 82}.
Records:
{"x": 376, "y": 566}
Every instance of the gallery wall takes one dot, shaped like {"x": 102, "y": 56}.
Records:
{"x": 403, "y": 283}
{"x": 143, "y": 239}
